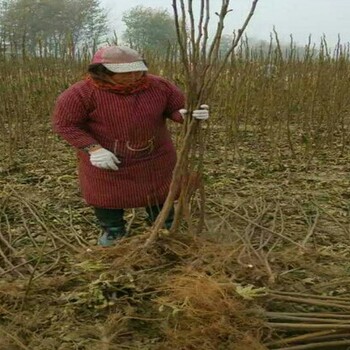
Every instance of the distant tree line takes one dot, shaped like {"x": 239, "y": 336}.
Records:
{"x": 50, "y": 27}
{"x": 63, "y": 28}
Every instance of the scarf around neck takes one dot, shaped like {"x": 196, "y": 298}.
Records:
{"x": 124, "y": 89}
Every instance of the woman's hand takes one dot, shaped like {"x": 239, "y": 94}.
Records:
{"x": 104, "y": 159}
{"x": 199, "y": 114}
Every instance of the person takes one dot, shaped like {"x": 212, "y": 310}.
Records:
{"x": 116, "y": 119}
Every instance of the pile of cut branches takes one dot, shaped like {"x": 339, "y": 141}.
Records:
{"x": 326, "y": 326}
{"x": 180, "y": 295}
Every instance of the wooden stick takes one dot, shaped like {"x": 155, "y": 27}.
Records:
{"x": 328, "y": 345}
{"x": 299, "y": 338}
{"x": 305, "y": 326}
{"x": 307, "y": 319}
{"x": 312, "y": 296}
{"x": 311, "y": 301}
{"x": 316, "y": 314}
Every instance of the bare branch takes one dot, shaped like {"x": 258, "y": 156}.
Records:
{"x": 210, "y": 82}
{"x": 206, "y": 32}
{"x": 181, "y": 39}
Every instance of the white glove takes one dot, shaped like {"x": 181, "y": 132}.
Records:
{"x": 104, "y": 159}
{"x": 199, "y": 114}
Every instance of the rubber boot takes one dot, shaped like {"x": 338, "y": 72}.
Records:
{"x": 111, "y": 235}
{"x": 113, "y": 225}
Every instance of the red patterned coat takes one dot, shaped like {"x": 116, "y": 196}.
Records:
{"x": 134, "y": 128}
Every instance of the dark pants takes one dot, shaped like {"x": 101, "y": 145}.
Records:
{"x": 114, "y": 218}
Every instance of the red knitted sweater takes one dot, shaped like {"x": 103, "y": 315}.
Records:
{"x": 134, "y": 128}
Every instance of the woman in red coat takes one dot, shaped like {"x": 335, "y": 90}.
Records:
{"x": 116, "y": 118}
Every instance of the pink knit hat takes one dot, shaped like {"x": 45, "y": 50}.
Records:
{"x": 119, "y": 59}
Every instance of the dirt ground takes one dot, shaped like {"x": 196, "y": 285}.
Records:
{"x": 274, "y": 224}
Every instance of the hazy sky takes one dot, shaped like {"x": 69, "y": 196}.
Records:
{"x": 297, "y": 17}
